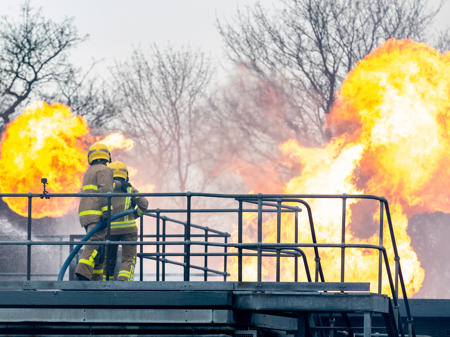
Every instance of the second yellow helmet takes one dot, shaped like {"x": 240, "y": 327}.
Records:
{"x": 119, "y": 170}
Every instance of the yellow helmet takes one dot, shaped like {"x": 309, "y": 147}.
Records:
{"x": 119, "y": 170}
{"x": 98, "y": 151}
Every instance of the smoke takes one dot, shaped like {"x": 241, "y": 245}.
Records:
{"x": 429, "y": 234}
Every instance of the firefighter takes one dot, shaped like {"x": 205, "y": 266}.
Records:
{"x": 123, "y": 229}
{"x": 97, "y": 179}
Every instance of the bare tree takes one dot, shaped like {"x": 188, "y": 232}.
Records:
{"x": 86, "y": 96}
{"x": 307, "y": 47}
{"x": 251, "y": 118}
{"x": 443, "y": 41}
{"x": 33, "y": 58}
{"x": 160, "y": 95}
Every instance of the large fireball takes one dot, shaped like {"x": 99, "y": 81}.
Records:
{"x": 396, "y": 102}
{"x": 390, "y": 138}
{"x": 44, "y": 141}
{"x": 48, "y": 141}
{"x": 390, "y": 124}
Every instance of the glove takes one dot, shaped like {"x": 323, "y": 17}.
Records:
{"x": 139, "y": 212}
{"x": 135, "y": 214}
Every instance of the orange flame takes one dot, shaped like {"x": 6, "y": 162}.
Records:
{"x": 397, "y": 103}
{"x": 390, "y": 123}
{"x": 44, "y": 141}
{"x": 47, "y": 141}
{"x": 116, "y": 140}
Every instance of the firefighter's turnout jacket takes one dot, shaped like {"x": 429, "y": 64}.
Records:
{"x": 124, "y": 229}
{"x": 126, "y": 224}
{"x": 97, "y": 179}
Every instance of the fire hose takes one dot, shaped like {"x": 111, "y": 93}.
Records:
{"x": 94, "y": 230}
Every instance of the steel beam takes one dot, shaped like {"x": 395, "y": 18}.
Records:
{"x": 305, "y": 302}
{"x": 124, "y": 299}
{"x": 274, "y": 322}
{"x": 107, "y": 315}
{"x": 181, "y": 286}
{"x": 438, "y": 308}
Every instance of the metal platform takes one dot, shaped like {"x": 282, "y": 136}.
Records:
{"x": 179, "y": 307}
{"x": 47, "y": 308}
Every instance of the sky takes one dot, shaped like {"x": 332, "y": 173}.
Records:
{"x": 115, "y": 27}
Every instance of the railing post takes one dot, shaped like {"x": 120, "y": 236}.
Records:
{"x": 205, "y": 272}
{"x": 29, "y": 237}
{"x": 394, "y": 284}
{"x": 108, "y": 231}
{"x": 141, "y": 249}
{"x": 296, "y": 241}
{"x": 397, "y": 262}
{"x": 61, "y": 251}
{"x": 187, "y": 238}
{"x": 164, "y": 249}
{"x": 259, "y": 266}
{"x": 317, "y": 269}
{"x": 157, "y": 243}
{"x": 240, "y": 241}
{"x": 108, "y": 214}
{"x": 70, "y": 250}
{"x": 411, "y": 331}
{"x": 278, "y": 238}
{"x": 344, "y": 207}
{"x": 380, "y": 258}
{"x": 225, "y": 259}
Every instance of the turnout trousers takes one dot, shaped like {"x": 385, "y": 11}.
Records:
{"x": 126, "y": 269}
{"x": 90, "y": 264}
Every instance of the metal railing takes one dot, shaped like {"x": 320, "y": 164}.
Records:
{"x": 260, "y": 204}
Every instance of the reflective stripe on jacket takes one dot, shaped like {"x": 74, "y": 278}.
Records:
{"x": 126, "y": 224}
{"x": 97, "y": 179}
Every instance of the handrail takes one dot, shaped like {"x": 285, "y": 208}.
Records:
{"x": 398, "y": 266}
{"x": 270, "y": 203}
{"x": 319, "y": 271}
{"x": 198, "y": 194}
{"x": 222, "y": 234}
